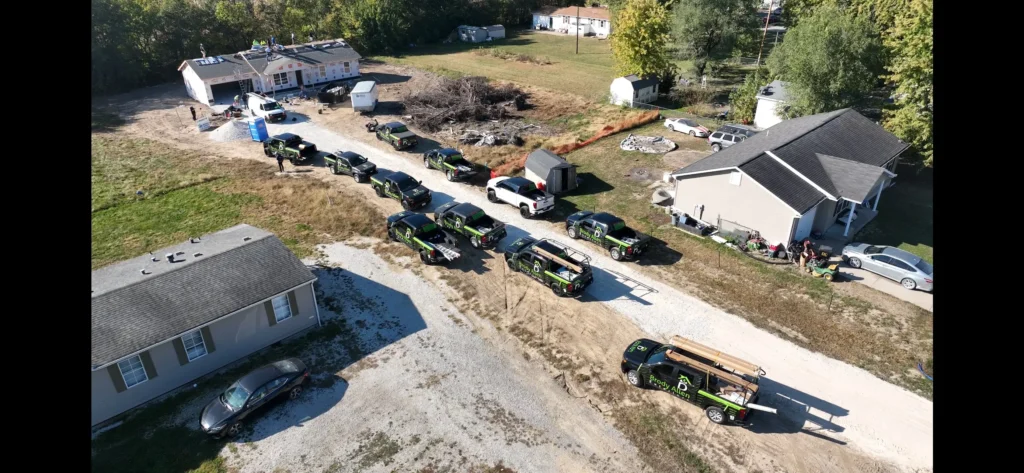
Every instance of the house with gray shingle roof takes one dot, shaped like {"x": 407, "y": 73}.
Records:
{"x": 803, "y": 175}
{"x": 216, "y": 79}
{"x": 162, "y": 320}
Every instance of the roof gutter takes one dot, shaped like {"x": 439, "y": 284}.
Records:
{"x": 193, "y": 329}
{"x": 686, "y": 174}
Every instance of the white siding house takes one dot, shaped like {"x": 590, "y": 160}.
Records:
{"x": 215, "y": 79}
{"x": 592, "y": 20}
{"x": 770, "y": 100}
{"x": 630, "y": 90}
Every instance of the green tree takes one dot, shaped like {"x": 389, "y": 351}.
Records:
{"x": 831, "y": 60}
{"x": 911, "y": 69}
{"x": 707, "y": 28}
{"x": 743, "y": 100}
{"x": 640, "y": 42}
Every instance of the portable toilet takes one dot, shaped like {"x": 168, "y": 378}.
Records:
{"x": 258, "y": 129}
{"x": 364, "y": 96}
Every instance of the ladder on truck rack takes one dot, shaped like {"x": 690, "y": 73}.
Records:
{"x": 559, "y": 259}
{"x": 736, "y": 364}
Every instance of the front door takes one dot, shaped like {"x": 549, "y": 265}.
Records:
{"x": 298, "y": 78}
{"x": 565, "y": 180}
{"x": 551, "y": 23}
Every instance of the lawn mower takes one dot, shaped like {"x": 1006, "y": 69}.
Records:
{"x": 819, "y": 266}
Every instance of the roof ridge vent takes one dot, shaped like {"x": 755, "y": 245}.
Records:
{"x": 143, "y": 271}
{"x": 196, "y": 255}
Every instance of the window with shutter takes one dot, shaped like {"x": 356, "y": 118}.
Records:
{"x": 132, "y": 371}
{"x": 195, "y": 347}
{"x": 282, "y": 308}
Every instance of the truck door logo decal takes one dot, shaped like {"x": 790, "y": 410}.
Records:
{"x": 683, "y": 382}
{"x": 536, "y": 267}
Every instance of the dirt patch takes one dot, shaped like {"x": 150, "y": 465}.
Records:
{"x": 683, "y": 157}
{"x": 642, "y": 174}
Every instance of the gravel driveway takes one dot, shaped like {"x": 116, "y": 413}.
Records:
{"x": 824, "y": 395}
{"x": 432, "y": 395}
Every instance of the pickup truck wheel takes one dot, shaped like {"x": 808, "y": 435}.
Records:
{"x": 426, "y": 163}
{"x": 355, "y": 177}
{"x": 379, "y": 191}
{"x": 557, "y": 289}
{"x": 449, "y": 175}
{"x": 512, "y": 265}
{"x": 632, "y": 377}
{"x": 424, "y": 258}
{"x": 715, "y": 414}
{"x": 474, "y": 241}
{"x": 267, "y": 152}
{"x": 406, "y": 206}
{"x": 391, "y": 235}
{"x": 378, "y": 137}
{"x": 334, "y": 169}
{"x": 524, "y": 211}
{"x": 572, "y": 232}
{"x": 615, "y": 253}
{"x": 394, "y": 144}
{"x": 491, "y": 196}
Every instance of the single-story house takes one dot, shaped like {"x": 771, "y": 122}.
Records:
{"x": 550, "y": 171}
{"x": 217, "y": 79}
{"x": 771, "y": 99}
{"x": 800, "y": 176}
{"x": 472, "y": 34}
{"x": 631, "y": 89}
{"x": 160, "y": 321}
{"x": 592, "y": 20}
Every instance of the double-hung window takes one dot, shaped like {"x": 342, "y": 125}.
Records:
{"x": 195, "y": 346}
{"x": 282, "y": 309}
{"x": 132, "y": 371}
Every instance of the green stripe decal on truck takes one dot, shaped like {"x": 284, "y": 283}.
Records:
{"x": 718, "y": 399}
{"x": 616, "y": 241}
{"x": 549, "y": 273}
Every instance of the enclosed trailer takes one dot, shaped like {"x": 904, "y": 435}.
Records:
{"x": 364, "y": 96}
{"x": 495, "y": 31}
{"x": 550, "y": 171}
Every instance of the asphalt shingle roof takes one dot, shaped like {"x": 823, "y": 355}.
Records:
{"x": 776, "y": 91}
{"x": 842, "y": 135}
{"x": 303, "y": 53}
{"x": 639, "y": 83}
{"x": 132, "y": 311}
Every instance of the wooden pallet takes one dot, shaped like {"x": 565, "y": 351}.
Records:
{"x": 559, "y": 259}
{"x": 737, "y": 364}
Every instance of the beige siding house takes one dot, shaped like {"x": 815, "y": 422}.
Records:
{"x": 158, "y": 323}
{"x": 800, "y": 177}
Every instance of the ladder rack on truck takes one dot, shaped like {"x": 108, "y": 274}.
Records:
{"x": 736, "y": 364}
{"x": 560, "y": 260}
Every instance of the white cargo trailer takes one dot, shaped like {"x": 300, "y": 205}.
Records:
{"x": 364, "y": 96}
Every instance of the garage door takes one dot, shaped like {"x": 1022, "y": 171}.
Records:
{"x": 224, "y": 94}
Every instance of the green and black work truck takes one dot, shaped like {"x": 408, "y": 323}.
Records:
{"x": 424, "y": 236}
{"x": 471, "y": 222}
{"x": 566, "y": 271}
{"x": 451, "y": 161}
{"x": 724, "y": 386}
{"x": 608, "y": 231}
{"x": 397, "y": 135}
{"x": 350, "y": 163}
{"x": 291, "y": 147}
{"x": 403, "y": 188}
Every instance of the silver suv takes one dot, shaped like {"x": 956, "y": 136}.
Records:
{"x": 729, "y": 135}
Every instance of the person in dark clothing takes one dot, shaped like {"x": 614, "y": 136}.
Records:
{"x": 193, "y": 110}
{"x": 280, "y": 163}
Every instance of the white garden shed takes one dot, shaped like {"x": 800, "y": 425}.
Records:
{"x": 632, "y": 90}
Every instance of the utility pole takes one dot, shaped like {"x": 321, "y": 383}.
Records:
{"x": 577, "y": 29}
{"x": 763, "y": 35}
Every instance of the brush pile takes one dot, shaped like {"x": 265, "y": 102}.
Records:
{"x": 446, "y": 101}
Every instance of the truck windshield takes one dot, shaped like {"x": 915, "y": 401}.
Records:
{"x": 658, "y": 355}
{"x": 271, "y": 106}
{"x": 407, "y": 183}
{"x": 356, "y": 160}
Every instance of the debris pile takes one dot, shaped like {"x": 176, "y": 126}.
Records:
{"x": 498, "y": 135}
{"x": 233, "y": 130}
{"x": 446, "y": 101}
{"x": 647, "y": 144}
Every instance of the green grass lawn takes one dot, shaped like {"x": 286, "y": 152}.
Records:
{"x": 587, "y": 74}
{"x": 905, "y": 214}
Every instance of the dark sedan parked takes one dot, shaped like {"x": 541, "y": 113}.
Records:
{"x": 224, "y": 415}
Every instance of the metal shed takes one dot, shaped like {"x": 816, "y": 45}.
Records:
{"x": 551, "y": 170}
{"x": 495, "y": 31}
{"x": 472, "y": 34}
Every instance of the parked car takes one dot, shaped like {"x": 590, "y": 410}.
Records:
{"x": 224, "y": 416}
{"x": 566, "y": 271}
{"x": 608, "y": 231}
{"x": 520, "y": 192}
{"x": 685, "y": 125}
{"x": 424, "y": 236}
{"x": 738, "y": 130}
{"x": 908, "y": 269}
{"x": 403, "y": 188}
{"x": 720, "y": 140}
{"x": 350, "y": 163}
{"x": 471, "y": 222}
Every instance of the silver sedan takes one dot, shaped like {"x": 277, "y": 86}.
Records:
{"x": 908, "y": 269}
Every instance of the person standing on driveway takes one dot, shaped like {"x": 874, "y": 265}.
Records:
{"x": 280, "y": 162}
{"x": 193, "y": 110}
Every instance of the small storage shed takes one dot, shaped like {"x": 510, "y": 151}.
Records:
{"x": 550, "y": 171}
{"x": 495, "y": 31}
{"x": 630, "y": 90}
{"x": 472, "y": 34}
{"x": 364, "y": 96}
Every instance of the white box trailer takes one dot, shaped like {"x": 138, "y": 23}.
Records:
{"x": 364, "y": 96}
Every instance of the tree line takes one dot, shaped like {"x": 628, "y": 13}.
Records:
{"x": 836, "y": 54}
{"x": 137, "y": 43}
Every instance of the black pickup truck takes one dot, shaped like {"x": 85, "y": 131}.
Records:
{"x": 291, "y": 146}
{"x": 403, "y": 188}
{"x": 397, "y": 135}
{"x": 471, "y": 222}
{"x": 608, "y": 231}
{"x": 421, "y": 234}
{"x": 352, "y": 164}
{"x": 567, "y": 272}
{"x": 452, "y": 163}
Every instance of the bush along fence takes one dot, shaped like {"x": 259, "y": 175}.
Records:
{"x": 518, "y": 164}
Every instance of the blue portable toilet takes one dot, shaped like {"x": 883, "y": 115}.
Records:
{"x": 258, "y": 129}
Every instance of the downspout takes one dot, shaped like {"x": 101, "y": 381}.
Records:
{"x": 316, "y": 306}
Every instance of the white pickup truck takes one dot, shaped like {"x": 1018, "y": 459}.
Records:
{"x": 521, "y": 193}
